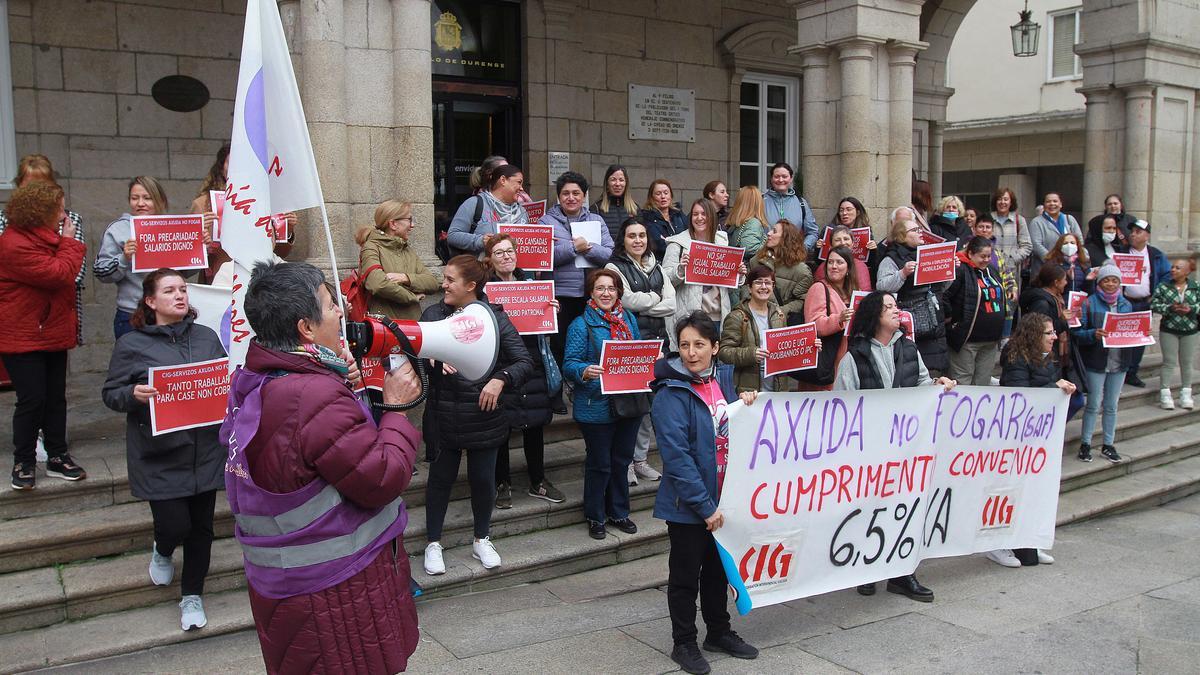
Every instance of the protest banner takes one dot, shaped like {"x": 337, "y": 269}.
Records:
{"x": 713, "y": 264}
{"x": 216, "y": 202}
{"x": 1075, "y": 300}
{"x": 829, "y": 490}
{"x": 1132, "y": 266}
{"x": 535, "y": 210}
{"x": 527, "y": 304}
{"x": 628, "y": 365}
{"x": 855, "y": 298}
{"x": 176, "y": 242}
{"x": 861, "y": 236}
{"x": 1131, "y": 329}
{"x": 791, "y": 348}
{"x": 936, "y": 263}
{"x": 534, "y": 245}
{"x": 189, "y": 396}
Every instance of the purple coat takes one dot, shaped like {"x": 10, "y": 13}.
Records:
{"x": 568, "y": 279}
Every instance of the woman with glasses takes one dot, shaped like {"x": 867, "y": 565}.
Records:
{"x": 395, "y": 276}
{"x": 743, "y": 344}
{"x": 896, "y": 275}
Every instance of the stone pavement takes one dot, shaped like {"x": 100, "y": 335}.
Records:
{"x": 1122, "y": 597}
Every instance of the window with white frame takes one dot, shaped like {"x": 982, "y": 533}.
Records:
{"x": 770, "y": 122}
{"x": 1062, "y": 63}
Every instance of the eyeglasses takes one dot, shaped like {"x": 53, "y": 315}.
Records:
{"x": 604, "y": 289}
{"x": 1050, "y": 333}
{"x": 504, "y": 253}
{"x": 915, "y": 229}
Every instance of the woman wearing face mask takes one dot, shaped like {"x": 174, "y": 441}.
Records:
{"x": 975, "y": 308}
{"x": 782, "y": 203}
{"x": 1177, "y": 300}
{"x": 1114, "y": 205}
{"x": 716, "y": 192}
{"x": 661, "y": 217}
{"x": 1048, "y": 227}
{"x": 946, "y": 221}
{"x": 1104, "y": 366}
{"x": 617, "y": 204}
{"x": 896, "y": 272}
{"x": 1073, "y": 258}
{"x": 841, "y": 238}
{"x": 395, "y": 276}
{"x": 1104, "y": 239}
{"x": 651, "y": 299}
{"x": 712, "y": 300}
{"x": 747, "y": 221}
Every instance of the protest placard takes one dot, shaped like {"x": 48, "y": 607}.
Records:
{"x": 534, "y": 245}
{"x": 628, "y": 365}
{"x": 928, "y": 237}
{"x": 936, "y": 263}
{"x": 906, "y": 324}
{"x": 861, "y": 236}
{"x": 527, "y": 304}
{"x": 279, "y": 224}
{"x": 1075, "y": 300}
{"x": 829, "y": 490}
{"x": 216, "y": 202}
{"x": 372, "y": 373}
{"x": 535, "y": 210}
{"x": 855, "y": 298}
{"x": 791, "y": 348}
{"x": 713, "y": 264}
{"x": 176, "y": 242}
{"x": 1132, "y": 266}
{"x": 1131, "y": 329}
{"x": 189, "y": 396}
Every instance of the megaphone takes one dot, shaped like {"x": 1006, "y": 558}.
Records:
{"x": 469, "y": 339}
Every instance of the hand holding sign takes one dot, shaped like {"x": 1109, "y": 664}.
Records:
{"x": 176, "y": 242}
{"x": 790, "y": 349}
{"x": 534, "y": 245}
{"x": 627, "y": 366}
{"x": 1130, "y": 329}
{"x": 936, "y": 263}
{"x": 712, "y": 264}
{"x": 188, "y": 396}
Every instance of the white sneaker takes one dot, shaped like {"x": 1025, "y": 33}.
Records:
{"x": 191, "y": 613}
{"x": 162, "y": 570}
{"x": 1185, "y": 399}
{"x": 643, "y": 469}
{"x": 434, "y": 564}
{"x": 1003, "y": 557}
{"x": 1045, "y": 558}
{"x": 1164, "y": 399}
{"x": 632, "y": 476}
{"x": 994, "y": 381}
{"x": 485, "y": 552}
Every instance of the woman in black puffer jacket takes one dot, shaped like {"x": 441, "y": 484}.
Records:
{"x": 180, "y": 472}
{"x": 530, "y": 410}
{"x": 466, "y": 417}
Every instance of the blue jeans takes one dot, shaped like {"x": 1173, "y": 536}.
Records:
{"x": 605, "y": 470}
{"x": 1102, "y": 388}
{"x": 121, "y": 324}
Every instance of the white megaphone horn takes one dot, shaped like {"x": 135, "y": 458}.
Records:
{"x": 469, "y": 339}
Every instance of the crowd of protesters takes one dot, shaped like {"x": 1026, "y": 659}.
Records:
{"x": 1005, "y": 318}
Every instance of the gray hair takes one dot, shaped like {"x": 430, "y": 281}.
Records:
{"x": 896, "y": 212}
{"x": 280, "y": 294}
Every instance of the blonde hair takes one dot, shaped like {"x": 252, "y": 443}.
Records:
{"x": 385, "y": 213}
{"x": 35, "y": 167}
{"x": 154, "y": 189}
{"x": 948, "y": 200}
{"x": 748, "y": 204}
{"x": 899, "y": 230}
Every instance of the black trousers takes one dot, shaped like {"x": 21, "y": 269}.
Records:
{"x": 694, "y": 567}
{"x": 481, "y": 476}
{"x": 534, "y": 440}
{"x": 40, "y": 379}
{"x": 187, "y": 521}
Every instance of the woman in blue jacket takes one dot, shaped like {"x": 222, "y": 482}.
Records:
{"x": 782, "y": 203}
{"x": 692, "y": 391}
{"x": 608, "y": 439}
{"x": 1103, "y": 367}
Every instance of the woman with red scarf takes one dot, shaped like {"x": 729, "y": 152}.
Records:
{"x": 609, "y": 439}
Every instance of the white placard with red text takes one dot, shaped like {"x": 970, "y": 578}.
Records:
{"x": 713, "y": 264}
{"x": 527, "y": 304}
{"x": 1075, "y": 300}
{"x": 1131, "y": 329}
{"x": 176, "y": 242}
{"x": 790, "y": 349}
{"x": 1132, "y": 266}
{"x": 534, "y": 245}
{"x": 936, "y": 263}
{"x": 189, "y": 396}
{"x": 628, "y": 365}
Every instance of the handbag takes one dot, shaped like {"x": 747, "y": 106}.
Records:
{"x": 624, "y": 406}
{"x": 554, "y": 378}
{"x": 826, "y": 370}
{"x": 926, "y": 323}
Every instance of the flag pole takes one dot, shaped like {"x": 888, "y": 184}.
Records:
{"x": 337, "y": 280}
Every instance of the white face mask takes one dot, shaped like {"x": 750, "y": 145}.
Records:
{"x": 1070, "y": 249}
{"x": 1109, "y": 237}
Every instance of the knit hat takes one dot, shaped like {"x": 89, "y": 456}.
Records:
{"x": 1108, "y": 270}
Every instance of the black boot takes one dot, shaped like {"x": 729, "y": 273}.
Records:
{"x": 866, "y": 589}
{"x": 909, "y": 586}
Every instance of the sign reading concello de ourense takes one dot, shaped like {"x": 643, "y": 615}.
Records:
{"x": 829, "y": 490}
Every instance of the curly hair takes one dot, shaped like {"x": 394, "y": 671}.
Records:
{"x": 34, "y": 205}
{"x": 790, "y": 251}
{"x": 1026, "y": 341}
{"x": 1056, "y": 254}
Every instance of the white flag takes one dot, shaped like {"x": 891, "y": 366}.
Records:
{"x": 214, "y": 307}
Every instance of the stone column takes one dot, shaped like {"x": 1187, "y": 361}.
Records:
{"x": 1139, "y": 109}
{"x": 936, "y": 130}
{"x": 412, "y": 134}
{"x": 321, "y": 42}
{"x": 857, "y": 58}
{"x": 901, "y": 62}
{"x": 1098, "y": 155}
{"x": 816, "y": 143}
{"x": 1193, "y": 229}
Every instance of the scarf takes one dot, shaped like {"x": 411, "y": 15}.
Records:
{"x": 1109, "y": 298}
{"x": 324, "y": 356}
{"x": 617, "y": 328}
{"x": 505, "y": 213}
{"x": 1061, "y": 223}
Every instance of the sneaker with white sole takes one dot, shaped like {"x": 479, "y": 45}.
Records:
{"x": 632, "y": 475}
{"x": 1045, "y": 558}
{"x": 434, "y": 563}
{"x": 485, "y": 552}
{"x": 1185, "y": 399}
{"x": 643, "y": 469}
{"x": 1003, "y": 557}
{"x": 162, "y": 570}
{"x": 191, "y": 613}
{"x": 1164, "y": 399}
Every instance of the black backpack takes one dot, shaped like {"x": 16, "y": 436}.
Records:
{"x": 443, "y": 249}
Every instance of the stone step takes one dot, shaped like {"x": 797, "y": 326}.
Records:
{"x": 1151, "y": 487}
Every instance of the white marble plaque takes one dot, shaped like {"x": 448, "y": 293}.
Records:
{"x": 662, "y": 114}
{"x": 558, "y": 164}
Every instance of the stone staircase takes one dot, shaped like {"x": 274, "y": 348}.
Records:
{"x": 73, "y": 556}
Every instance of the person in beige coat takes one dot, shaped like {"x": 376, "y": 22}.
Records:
{"x": 395, "y": 276}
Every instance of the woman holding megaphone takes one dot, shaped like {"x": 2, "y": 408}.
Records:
{"x": 465, "y": 416}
